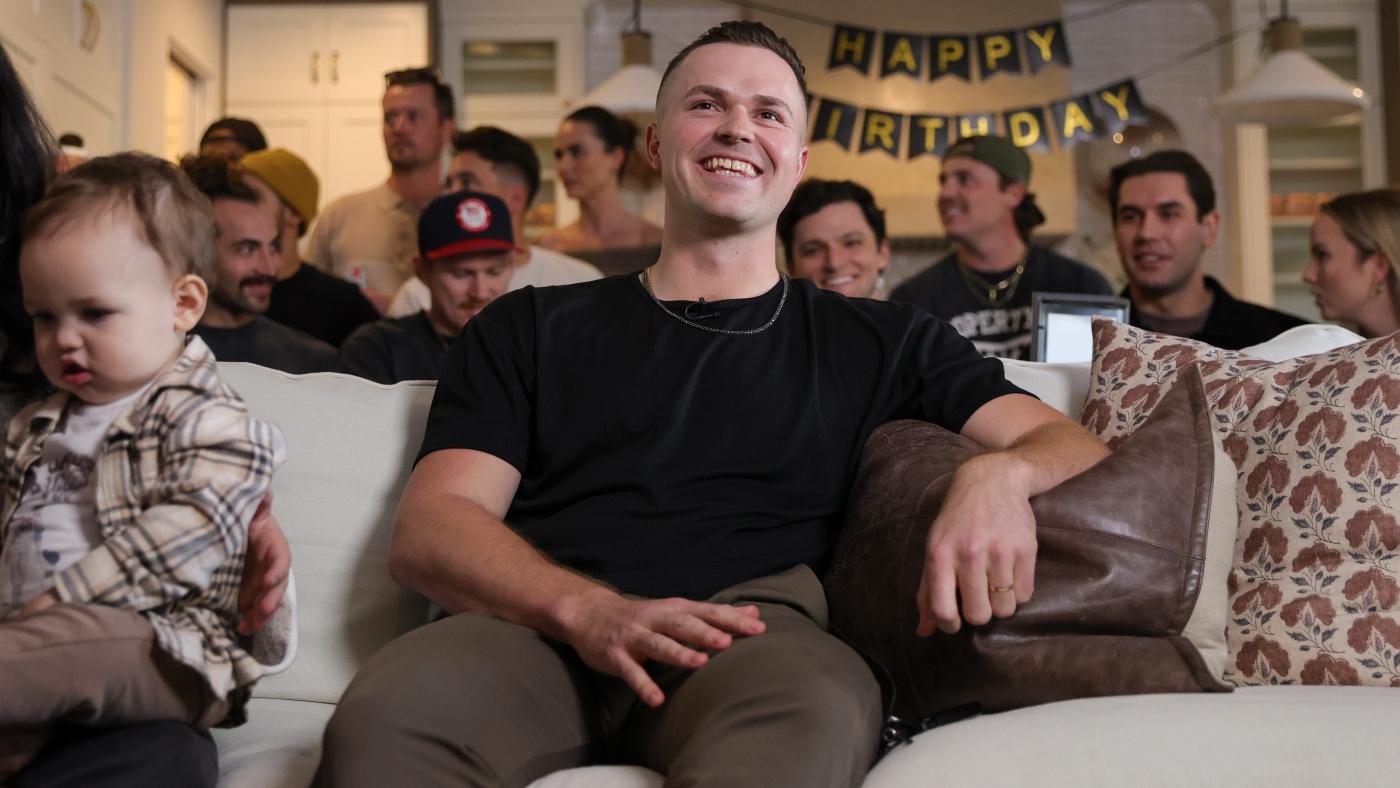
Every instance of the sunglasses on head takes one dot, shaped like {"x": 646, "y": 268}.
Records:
{"x": 424, "y": 75}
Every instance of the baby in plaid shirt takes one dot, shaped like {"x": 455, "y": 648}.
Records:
{"x": 125, "y": 498}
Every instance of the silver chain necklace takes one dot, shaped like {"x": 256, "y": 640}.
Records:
{"x": 646, "y": 284}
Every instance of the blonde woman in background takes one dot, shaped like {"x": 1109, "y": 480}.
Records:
{"x": 1354, "y": 249}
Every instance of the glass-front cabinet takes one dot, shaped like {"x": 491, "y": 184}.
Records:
{"x": 520, "y": 69}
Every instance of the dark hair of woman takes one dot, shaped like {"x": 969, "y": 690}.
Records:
{"x": 615, "y": 132}
{"x": 26, "y": 167}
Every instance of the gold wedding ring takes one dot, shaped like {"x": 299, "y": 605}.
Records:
{"x": 1000, "y": 589}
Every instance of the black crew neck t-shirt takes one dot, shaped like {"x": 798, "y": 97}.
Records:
{"x": 666, "y": 460}
{"x": 324, "y": 306}
{"x": 395, "y": 349}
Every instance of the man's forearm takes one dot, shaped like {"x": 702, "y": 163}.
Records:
{"x": 453, "y": 551}
{"x": 1040, "y": 459}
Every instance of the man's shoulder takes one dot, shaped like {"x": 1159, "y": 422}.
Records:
{"x": 324, "y": 285}
{"x": 347, "y": 205}
{"x": 548, "y": 268}
{"x": 1059, "y": 266}
{"x": 388, "y": 330}
{"x": 928, "y": 281}
{"x": 268, "y": 329}
{"x": 1262, "y": 317}
{"x": 884, "y": 316}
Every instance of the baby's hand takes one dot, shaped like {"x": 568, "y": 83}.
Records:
{"x": 46, "y": 599}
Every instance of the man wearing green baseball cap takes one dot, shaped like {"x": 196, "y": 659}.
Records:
{"x": 983, "y": 289}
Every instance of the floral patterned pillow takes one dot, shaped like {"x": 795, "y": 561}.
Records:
{"x": 1315, "y": 587}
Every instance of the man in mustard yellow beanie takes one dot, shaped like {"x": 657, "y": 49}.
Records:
{"x": 304, "y": 297}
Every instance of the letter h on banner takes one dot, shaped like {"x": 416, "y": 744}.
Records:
{"x": 851, "y": 46}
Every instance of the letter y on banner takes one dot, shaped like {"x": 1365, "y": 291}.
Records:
{"x": 1046, "y": 46}
{"x": 1119, "y": 106}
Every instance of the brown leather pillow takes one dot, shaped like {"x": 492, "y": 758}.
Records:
{"x": 1130, "y": 589}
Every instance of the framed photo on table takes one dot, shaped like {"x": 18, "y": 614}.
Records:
{"x": 1064, "y": 324}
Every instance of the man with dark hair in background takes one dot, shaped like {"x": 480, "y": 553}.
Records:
{"x": 370, "y": 237}
{"x": 305, "y": 297}
{"x": 494, "y": 161}
{"x": 834, "y": 234}
{"x": 232, "y": 138}
{"x": 1164, "y": 220}
{"x": 984, "y": 287}
{"x": 248, "y": 233}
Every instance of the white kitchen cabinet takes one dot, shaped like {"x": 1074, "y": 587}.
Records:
{"x": 312, "y": 76}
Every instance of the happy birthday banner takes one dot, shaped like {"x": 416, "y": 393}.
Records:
{"x": 1089, "y": 116}
{"x": 997, "y": 52}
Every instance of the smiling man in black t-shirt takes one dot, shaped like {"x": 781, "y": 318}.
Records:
{"x": 628, "y": 487}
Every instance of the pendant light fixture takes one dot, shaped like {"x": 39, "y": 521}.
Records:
{"x": 632, "y": 90}
{"x": 1290, "y": 88}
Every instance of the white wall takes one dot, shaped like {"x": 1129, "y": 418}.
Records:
{"x": 193, "y": 31}
{"x": 114, "y": 93}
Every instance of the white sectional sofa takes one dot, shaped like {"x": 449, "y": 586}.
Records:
{"x": 350, "y": 447}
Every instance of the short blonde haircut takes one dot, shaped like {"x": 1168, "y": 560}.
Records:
{"x": 1371, "y": 221}
{"x": 170, "y": 214}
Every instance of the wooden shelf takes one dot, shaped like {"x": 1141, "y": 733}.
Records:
{"x": 1315, "y": 164}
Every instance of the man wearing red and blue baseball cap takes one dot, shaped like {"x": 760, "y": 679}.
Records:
{"x": 465, "y": 251}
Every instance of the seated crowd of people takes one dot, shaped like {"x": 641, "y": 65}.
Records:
{"x": 116, "y": 305}
{"x": 392, "y": 274}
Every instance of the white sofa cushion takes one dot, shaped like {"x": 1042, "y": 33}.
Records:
{"x": 278, "y": 748}
{"x": 1255, "y": 736}
{"x": 350, "y": 448}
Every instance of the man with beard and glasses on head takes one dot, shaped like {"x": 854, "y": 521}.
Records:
{"x": 1164, "y": 220}
{"x": 628, "y": 489}
{"x": 984, "y": 288}
{"x": 370, "y": 237}
{"x": 248, "y": 235}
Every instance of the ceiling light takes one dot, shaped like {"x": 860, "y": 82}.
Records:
{"x": 1289, "y": 87}
{"x": 632, "y": 90}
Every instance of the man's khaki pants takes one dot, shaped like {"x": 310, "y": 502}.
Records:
{"x": 89, "y": 665}
{"x": 474, "y": 701}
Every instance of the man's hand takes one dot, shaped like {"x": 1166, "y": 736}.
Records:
{"x": 264, "y": 570}
{"x": 982, "y": 546}
{"x": 617, "y": 635}
{"x": 44, "y": 600}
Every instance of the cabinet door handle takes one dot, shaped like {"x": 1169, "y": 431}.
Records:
{"x": 335, "y": 66}
{"x": 315, "y": 66}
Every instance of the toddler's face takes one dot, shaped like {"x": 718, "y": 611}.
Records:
{"x": 107, "y": 316}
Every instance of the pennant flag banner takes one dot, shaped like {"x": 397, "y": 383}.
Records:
{"x": 1017, "y": 51}
{"x": 1068, "y": 122}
